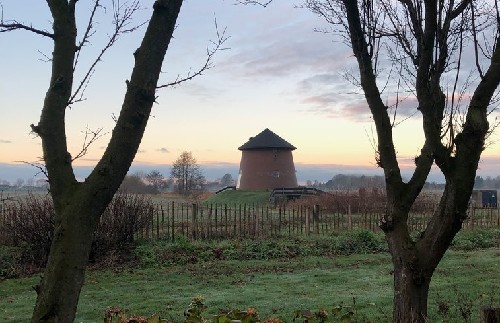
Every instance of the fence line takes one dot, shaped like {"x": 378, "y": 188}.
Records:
{"x": 223, "y": 221}
{"x": 214, "y": 221}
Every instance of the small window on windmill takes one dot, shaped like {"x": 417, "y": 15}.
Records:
{"x": 276, "y": 174}
{"x": 275, "y": 153}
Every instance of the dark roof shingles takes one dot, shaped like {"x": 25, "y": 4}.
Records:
{"x": 267, "y": 140}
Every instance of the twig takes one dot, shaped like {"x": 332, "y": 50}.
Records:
{"x": 14, "y": 25}
{"x": 254, "y": 2}
{"x": 221, "y": 39}
{"x": 90, "y": 137}
{"x": 121, "y": 21}
{"x": 41, "y": 167}
{"x": 88, "y": 33}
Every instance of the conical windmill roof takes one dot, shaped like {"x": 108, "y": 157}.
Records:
{"x": 267, "y": 140}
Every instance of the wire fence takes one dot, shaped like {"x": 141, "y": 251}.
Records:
{"x": 169, "y": 220}
{"x": 206, "y": 222}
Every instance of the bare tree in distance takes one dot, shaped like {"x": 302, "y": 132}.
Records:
{"x": 156, "y": 179}
{"x": 135, "y": 184}
{"x": 79, "y": 205}
{"x": 187, "y": 174}
{"x": 415, "y": 51}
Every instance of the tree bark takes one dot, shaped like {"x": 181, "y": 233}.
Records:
{"x": 415, "y": 260}
{"x": 63, "y": 278}
{"x": 411, "y": 289}
{"x": 79, "y": 205}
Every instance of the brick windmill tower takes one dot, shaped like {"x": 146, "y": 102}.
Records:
{"x": 266, "y": 163}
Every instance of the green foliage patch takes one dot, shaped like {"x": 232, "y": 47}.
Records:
{"x": 183, "y": 251}
{"x": 476, "y": 239}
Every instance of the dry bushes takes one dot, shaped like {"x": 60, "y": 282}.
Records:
{"x": 344, "y": 201}
{"x": 126, "y": 215}
{"x": 28, "y": 224}
{"x": 363, "y": 200}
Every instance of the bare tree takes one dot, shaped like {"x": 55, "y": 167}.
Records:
{"x": 156, "y": 179}
{"x": 187, "y": 174}
{"x": 79, "y": 205}
{"x": 134, "y": 184}
{"x": 425, "y": 43}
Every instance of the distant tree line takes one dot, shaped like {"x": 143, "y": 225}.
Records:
{"x": 487, "y": 183}
{"x": 186, "y": 178}
{"x": 349, "y": 182}
{"x": 355, "y": 182}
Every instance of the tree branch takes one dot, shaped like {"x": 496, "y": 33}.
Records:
{"x": 121, "y": 21}
{"x": 6, "y": 26}
{"x": 88, "y": 32}
{"x": 255, "y": 2}
{"x": 378, "y": 109}
{"x": 41, "y": 167}
{"x": 459, "y": 9}
{"x": 221, "y": 39}
{"x": 91, "y": 136}
{"x": 414, "y": 18}
{"x": 474, "y": 36}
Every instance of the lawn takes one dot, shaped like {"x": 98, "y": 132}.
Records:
{"x": 239, "y": 197}
{"x": 463, "y": 282}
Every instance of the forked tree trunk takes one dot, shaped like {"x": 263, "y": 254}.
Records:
{"x": 415, "y": 260}
{"x": 78, "y": 206}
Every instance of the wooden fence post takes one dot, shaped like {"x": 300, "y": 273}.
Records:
{"x": 216, "y": 223}
{"x": 279, "y": 221}
{"x": 194, "y": 224}
{"x": 307, "y": 221}
{"x": 234, "y": 221}
{"x": 209, "y": 226}
{"x": 349, "y": 217}
{"x": 226, "y": 229}
{"x": 316, "y": 218}
{"x": 173, "y": 221}
{"x": 157, "y": 222}
{"x": 472, "y": 213}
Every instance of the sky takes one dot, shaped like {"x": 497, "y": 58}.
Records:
{"x": 276, "y": 73}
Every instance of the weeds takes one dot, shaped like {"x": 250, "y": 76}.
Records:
{"x": 195, "y": 313}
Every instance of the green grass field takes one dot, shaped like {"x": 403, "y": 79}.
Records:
{"x": 463, "y": 282}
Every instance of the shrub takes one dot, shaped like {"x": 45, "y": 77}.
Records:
{"x": 126, "y": 215}
{"x": 29, "y": 224}
{"x": 8, "y": 263}
{"x": 476, "y": 239}
{"x": 360, "y": 241}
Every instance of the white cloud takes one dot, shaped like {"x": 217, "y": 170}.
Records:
{"x": 163, "y": 150}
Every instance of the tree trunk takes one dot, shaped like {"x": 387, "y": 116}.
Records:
{"x": 59, "y": 290}
{"x": 411, "y": 289}
{"x": 415, "y": 260}
{"x": 412, "y": 270}
{"x": 79, "y": 206}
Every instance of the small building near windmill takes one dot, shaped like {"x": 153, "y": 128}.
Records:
{"x": 266, "y": 163}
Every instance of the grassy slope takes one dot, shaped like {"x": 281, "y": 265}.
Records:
{"x": 273, "y": 287}
{"x": 239, "y": 197}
